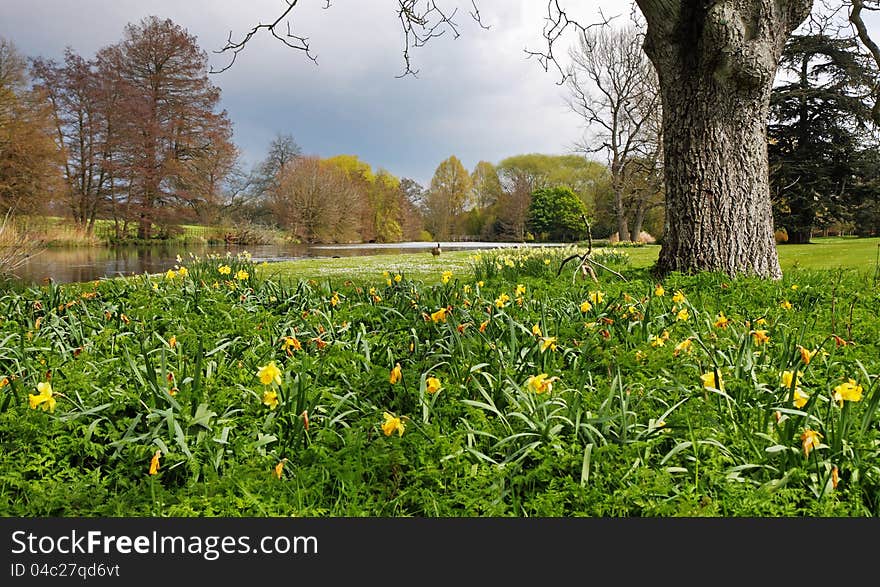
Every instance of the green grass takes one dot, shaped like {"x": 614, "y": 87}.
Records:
{"x": 824, "y": 253}
{"x": 558, "y": 397}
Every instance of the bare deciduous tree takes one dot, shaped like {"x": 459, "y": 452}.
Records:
{"x": 613, "y": 87}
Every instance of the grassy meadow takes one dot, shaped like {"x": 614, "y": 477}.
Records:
{"x": 476, "y": 384}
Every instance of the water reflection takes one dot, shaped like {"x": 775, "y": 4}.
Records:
{"x": 88, "y": 263}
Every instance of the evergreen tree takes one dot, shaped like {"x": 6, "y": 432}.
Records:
{"x": 819, "y": 124}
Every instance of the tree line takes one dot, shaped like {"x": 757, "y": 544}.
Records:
{"x": 135, "y": 134}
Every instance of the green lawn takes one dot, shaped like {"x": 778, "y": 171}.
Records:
{"x": 824, "y": 253}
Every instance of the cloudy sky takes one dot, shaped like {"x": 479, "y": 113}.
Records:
{"x": 478, "y": 96}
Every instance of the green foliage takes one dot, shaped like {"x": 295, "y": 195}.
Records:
{"x": 557, "y": 214}
{"x": 622, "y": 423}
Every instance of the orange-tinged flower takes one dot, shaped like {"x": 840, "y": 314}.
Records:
{"x": 483, "y": 326}
{"x": 279, "y": 469}
{"x": 291, "y": 342}
{"x": 154, "y": 462}
{"x": 848, "y": 391}
{"x": 810, "y": 440}
{"x": 439, "y": 315}
{"x": 395, "y": 374}
{"x": 760, "y": 337}
{"x": 305, "y": 417}
{"x": 721, "y": 321}
{"x": 172, "y": 342}
{"x": 709, "y": 381}
{"x": 392, "y": 424}
{"x": 682, "y": 347}
{"x": 432, "y": 385}
{"x": 835, "y": 477}
{"x": 541, "y": 383}
{"x": 806, "y": 356}
{"x": 269, "y": 373}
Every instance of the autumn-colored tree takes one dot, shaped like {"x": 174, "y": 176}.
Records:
{"x": 447, "y": 197}
{"x": 29, "y": 158}
{"x": 169, "y": 118}
{"x": 73, "y": 90}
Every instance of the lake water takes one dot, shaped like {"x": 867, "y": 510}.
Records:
{"x": 88, "y": 263}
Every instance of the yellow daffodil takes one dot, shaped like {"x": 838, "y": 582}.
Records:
{"x": 170, "y": 274}
{"x": 172, "y": 342}
{"x": 432, "y": 385}
{"x": 721, "y": 321}
{"x": 242, "y": 275}
{"x": 640, "y": 356}
{"x": 800, "y": 398}
{"x": 656, "y": 341}
{"x": 182, "y": 271}
{"x": 682, "y": 347}
{"x": 810, "y": 440}
{"x": 154, "y": 462}
{"x": 395, "y": 374}
{"x": 44, "y": 397}
{"x": 785, "y": 305}
{"x": 789, "y": 377}
{"x": 536, "y": 330}
{"x": 269, "y": 373}
{"x": 678, "y": 297}
{"x": 848, "y": 391}
{"x": 391, "y": 424}
{"x": 683, "y": 315}
{"x": 439, "y": 315}
{"x": 447, "y": 275}
{"x": 291, "y": 342}
{"x": 586, "y": 306}
{"x": 760, "y": 337}
{"x": 520, "y": 290}
{"x": 541, "y": 383}
{"x": 596, "y": 297}
{"x": 270, "y": 398}
{"x": 502, "y": 300}
{"x": 659, "y": 291}
{"x": 398, "y": 277}
{"x": 709, "y": 381}
{"x": 794, "y": 288}
{"x": 224, "y": 269}
{"x": 480, "y": 284}
{"x": 334, "y": 301}
{"x": 548, "y": 342}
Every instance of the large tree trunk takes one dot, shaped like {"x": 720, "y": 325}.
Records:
{"x": 716, "y": 62}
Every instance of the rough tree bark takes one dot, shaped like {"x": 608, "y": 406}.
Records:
{"x": 716, "y": 62}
